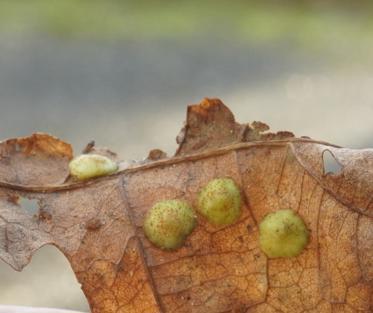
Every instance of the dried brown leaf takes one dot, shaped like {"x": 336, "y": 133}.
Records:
{"x": 97, "y": 224}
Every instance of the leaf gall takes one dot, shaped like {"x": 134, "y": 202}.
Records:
{"x": 88, "y": 166}
{"x": 220, "y": 202}
{"x": 283, "y": 234}
{"x": 168, "y": 223}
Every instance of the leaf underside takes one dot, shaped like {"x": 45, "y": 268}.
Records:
{"x": 97, "y": 224}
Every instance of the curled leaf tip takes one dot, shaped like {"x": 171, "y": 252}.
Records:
{"x": 39, "y": 159}
{"x": 211, "y": 125}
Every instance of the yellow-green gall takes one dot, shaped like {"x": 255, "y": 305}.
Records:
{"x": 283, "y": 234}
{"x": 220, "y": 201}
{"x": 168, "y": 223}
{"x": 88, "y": 166}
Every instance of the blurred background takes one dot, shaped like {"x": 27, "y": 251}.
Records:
{"x": 122, "y": 72}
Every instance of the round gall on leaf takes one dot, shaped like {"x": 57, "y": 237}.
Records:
{"x": 283, "y": 234}
{"x": 168, "y": 223}
{"x": 88, "y": 166}
{"x": 220, "y": 202}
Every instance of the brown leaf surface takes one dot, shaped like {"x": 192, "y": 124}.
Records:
{"x": 97, "y": 224}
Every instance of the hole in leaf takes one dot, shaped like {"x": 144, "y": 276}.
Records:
{"x": 31, "y": 206}
{"x": 48, "y": 281}
{"x": 331, "y": 165}
{"x": 17, "y": 147}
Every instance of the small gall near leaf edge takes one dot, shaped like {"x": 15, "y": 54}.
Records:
{"x": 88, "y": 166}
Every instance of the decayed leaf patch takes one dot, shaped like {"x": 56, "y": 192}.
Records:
{"x": 97, "y": 223}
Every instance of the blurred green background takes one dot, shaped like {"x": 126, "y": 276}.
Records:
{"x": 122, "y": 73}
{"x": 308, "y": 24}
